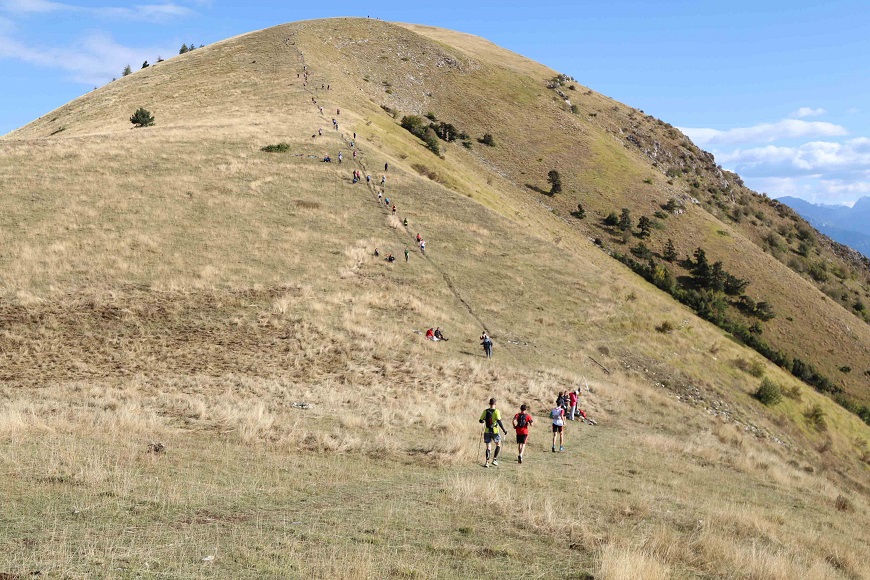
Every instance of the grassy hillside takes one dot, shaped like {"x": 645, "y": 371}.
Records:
{"x": 177, "y": 285}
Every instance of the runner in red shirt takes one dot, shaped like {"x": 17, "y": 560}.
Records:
{"x": 522, "y": 422}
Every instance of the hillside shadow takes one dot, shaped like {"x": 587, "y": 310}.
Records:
{"x": 537, "y": 189}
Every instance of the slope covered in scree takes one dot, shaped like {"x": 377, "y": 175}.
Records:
{"x": 205, "y": 364}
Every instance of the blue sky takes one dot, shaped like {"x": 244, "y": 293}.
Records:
{"x": 777, "y": 90}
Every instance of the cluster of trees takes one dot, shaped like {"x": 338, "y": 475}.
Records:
{"x": 706, "y": 294}
{"x": 430, "y": 130}
{"x": 184, "y": 48}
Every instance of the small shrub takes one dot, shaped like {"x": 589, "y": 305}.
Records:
{"x": 580, "y": 213}
{"x": 756, "y": 369}
{"x": 127, "y": 71}
{"x": 793, "y": 393}
{"x": 575, "y": 109}
{"x": 142, "y": 118}
{"x": 768, "y": 393}
{"x": 466, "y": 144}
{"x": 843, "y": 504}
{"x": 815, "y": 416}
{"x": 665, "y": 327}
{"x": 278, "y": 148}
{"x": 488, "y": 140}
{"x": 846, "y": 369}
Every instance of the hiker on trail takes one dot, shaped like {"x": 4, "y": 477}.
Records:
{"x": 485, "y": 340}
{"x": 522, "y": 422}
{"x": 354, "y": 135}
{"x": 387, "y": 201}
{"x": 321, "y": 110}
{"x": 394, "y": 209}
{"x": 354, "y": 151}
{"x": 380, "y": 195}
{"x": 572, "y": 404}
{"x": 419, "y": 237}
{"x": 339, "y": 157}
{"x": 423, "y": 246}
{"x": 377, "y": 253}
{"x": 390, "y": 258}
{"x": 407, "y": 254}
{"x": 383, "y": 179}
{"x": 352, "y": 144}
{"x": 320, "y": 131}
{"x": 405, "y": 222}
{"x": 369, "y": 179}
{"x": 338, "y": 111}
{"x": 558, "y": 417}
{"x": 386, "y": 167}
{"x": 438, "y": 334}
{"x": 491, "y": 419}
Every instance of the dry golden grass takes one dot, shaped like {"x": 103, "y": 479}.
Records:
{"x": 177, "y": 285}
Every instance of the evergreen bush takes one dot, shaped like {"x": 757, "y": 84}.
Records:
{"x": 142, "y": 118}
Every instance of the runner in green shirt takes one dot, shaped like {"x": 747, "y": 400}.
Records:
{"x": 491, "y": 419}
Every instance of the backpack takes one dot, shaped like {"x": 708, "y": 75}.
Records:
{"x": 488, "y": 419}
{"x": 522, "y": 421}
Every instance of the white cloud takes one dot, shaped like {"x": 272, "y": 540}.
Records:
{"x": 33, "y": 6}
{"x": 807, "y": 112}
{"x": 150, "y": 12}
{"x": 816, "y": 156}
{"x": 93, "y": 60}
{"x": 764, "y": 133}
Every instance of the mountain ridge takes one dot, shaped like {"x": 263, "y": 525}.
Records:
{"x": 847, "y": 225}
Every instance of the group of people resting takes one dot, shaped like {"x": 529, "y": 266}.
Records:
{"x": 435, "y": 334}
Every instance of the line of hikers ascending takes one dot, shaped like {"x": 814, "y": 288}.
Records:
{"x": 522, "y": 421}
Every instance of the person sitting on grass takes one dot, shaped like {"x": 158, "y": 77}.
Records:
{"x": 438, "y": 334}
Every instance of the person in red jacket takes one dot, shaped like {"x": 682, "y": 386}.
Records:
{"x": 522, "y": 422}
{"x": 572, "y": 404}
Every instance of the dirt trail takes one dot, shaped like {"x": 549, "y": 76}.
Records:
{"x": 373, "y": 188}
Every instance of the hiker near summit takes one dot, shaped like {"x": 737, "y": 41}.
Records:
{"x": 522, "y": 422}
{"x": 558, "y": 417}
{"x": 491, "y": 419}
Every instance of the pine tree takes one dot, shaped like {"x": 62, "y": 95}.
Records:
{"x": 555, "y": 181}
{"x": 127, "y": 71}
{"x": 625, "y": 220}
{"x": 670, "y": 253}
{"x": 183, "y": 49}
{"x": 644, "y": 225}
{"x": 142, "y": 118}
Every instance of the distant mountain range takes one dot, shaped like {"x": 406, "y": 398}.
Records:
{"x": 847, "y": 225}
